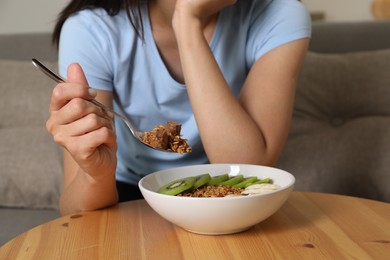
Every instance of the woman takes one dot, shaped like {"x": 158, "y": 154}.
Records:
{"x": 224, "y": 69}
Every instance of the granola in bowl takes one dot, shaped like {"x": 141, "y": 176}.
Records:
{"x": 213, "y": 192}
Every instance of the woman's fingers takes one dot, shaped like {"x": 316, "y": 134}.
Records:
{"x": 75, "y": 109}
{"x": 76, "y": 74}
{"x": 64, "y": 92}
{"x": 75, "y": 87}
{"x": 69, "y": 101}
{"x": 81, "y": 147}
{"x": 89, "y": 123}
{"x": 82, "y": 137}
{"x": 76, "y": 118}
{"x": 202, "y": 8}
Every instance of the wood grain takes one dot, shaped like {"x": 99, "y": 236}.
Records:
{"x": 308, "y": 226}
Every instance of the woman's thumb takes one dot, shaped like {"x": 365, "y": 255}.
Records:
{"x": 76, "y": 74}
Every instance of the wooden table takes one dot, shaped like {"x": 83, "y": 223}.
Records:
{"x": 308, "y": 226}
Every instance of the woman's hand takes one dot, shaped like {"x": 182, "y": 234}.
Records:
{"x": 83, "y": 129}
{"x": 87, "y": 133}
{"x": 198, "y": 9}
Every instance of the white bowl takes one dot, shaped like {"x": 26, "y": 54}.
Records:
{"x": 214, "y": 216}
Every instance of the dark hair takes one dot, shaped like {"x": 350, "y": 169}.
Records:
{"x": 112, "y": 7}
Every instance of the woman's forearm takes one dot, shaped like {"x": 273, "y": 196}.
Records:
{"x": 224, "y": 125}
{"x": 85, "y": 193}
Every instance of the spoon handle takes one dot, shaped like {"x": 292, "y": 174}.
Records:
{"x": 59, "y": 79}
{"x": 46, "y": 71}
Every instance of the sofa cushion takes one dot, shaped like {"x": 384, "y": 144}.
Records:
{"x": 30, "y": 161}
{"x": 340, "y": 135}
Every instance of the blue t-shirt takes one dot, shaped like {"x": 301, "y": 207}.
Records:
{"x": 115, "y": 59}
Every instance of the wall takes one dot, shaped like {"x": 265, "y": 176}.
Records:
{"x": 20, "y": 16}
{"x": 341, "y": 10}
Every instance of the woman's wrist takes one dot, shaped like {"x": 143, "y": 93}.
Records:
{"x": 88, "y": 192}
{"x": 185, "y": 24}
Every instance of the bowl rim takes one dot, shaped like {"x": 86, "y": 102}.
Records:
{"x": 290, "y": 185}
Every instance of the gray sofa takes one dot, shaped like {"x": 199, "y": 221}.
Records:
{"x": 340, "y": 136}
{"x": 339, "y": 140}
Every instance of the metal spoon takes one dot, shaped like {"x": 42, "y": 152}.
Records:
{"x": 136, "y": 133}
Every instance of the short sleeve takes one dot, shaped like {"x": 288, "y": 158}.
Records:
{"x": 280, "y": 22}
{"x": 83, "y": 41}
